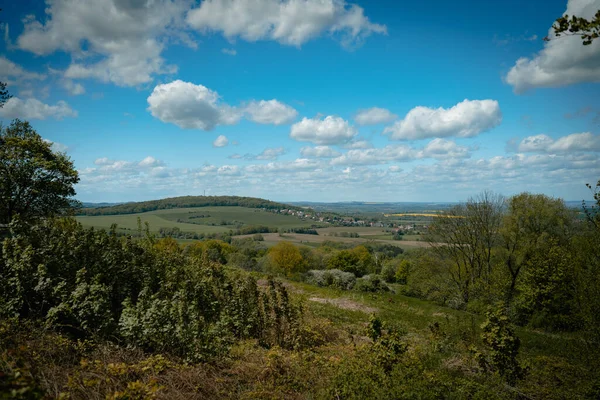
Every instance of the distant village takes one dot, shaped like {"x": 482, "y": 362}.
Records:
{"x": 337, "y": 220}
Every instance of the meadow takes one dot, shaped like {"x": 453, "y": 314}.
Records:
{"x": 198, "y": 220}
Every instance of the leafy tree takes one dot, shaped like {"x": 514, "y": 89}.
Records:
{"x": 503, "y": 346}
{"x": 531, "y": 221}
{"x": 465, "y": 237}
{"x": 35, "y": 181}
{"x": 577, "y": 26}
{"x": 4, "y": 95}
{"x": 287, "y": 258}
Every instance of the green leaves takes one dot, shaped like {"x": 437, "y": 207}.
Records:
{"x": 588, "y": 30}
{"x": 35, "y": 182}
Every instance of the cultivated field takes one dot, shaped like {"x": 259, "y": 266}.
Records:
{"x": 198, "y": 220}
{"x": 314, "y": 240}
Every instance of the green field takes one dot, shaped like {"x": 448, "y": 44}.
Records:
{"x": 198, "y": 220}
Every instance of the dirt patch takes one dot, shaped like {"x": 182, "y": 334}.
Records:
{"x": 345, "y": 304}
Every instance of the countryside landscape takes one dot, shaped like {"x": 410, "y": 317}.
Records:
{"x": 162, "y": 240}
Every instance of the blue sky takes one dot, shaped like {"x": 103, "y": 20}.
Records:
{"x": 320, "y": 100}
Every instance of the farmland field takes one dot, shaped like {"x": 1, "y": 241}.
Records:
{"x": 315, "y": 240}
{"x": 198, "y": 220}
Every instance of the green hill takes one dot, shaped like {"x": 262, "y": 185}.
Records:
{"x": 186, "y": 202}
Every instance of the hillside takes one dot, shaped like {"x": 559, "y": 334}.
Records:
{"x": 185, "y": 202}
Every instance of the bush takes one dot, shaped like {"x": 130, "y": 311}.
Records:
{"x": 145, "y": 293}
{"x": 371, "y": 283}
{"x": 333, "y": 277}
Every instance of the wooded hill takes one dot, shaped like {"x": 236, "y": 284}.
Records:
{"x": 185, "y": 202}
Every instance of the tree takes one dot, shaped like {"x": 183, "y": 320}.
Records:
{"x": 532, "y": 220}
{"x": 35, "y": 181}
{"x": 287, "y": 258}
{"x": 577, "y": 26}
{"x": 4, "y": 95}
{"x": 465, "y": 236}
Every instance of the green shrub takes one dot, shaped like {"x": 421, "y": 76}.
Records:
{"x": 371, "y": 283}
{"x": 332, "y": 277}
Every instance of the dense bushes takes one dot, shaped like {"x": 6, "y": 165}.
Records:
{"x": 147, "y": 293}
{"x": 332, "y": 277}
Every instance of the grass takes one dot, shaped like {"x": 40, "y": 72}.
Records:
{"x": 232, "y": 216}
{"x": 557, "y": 368}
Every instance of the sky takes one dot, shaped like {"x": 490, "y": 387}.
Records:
{"x": 308, "y": 100}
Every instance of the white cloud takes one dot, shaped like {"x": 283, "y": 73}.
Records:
{"x": 229, "y": 52}
{"x": 270, "y": 112}
{"x": 575, "y": 142}
{"x": 270, "y": 153}
{"x": 374, "y": 116}
{"x": 331, "y": 130}
{"x": 358, "y": 144}
{"x": 376, "y": 156}
{"x": 289, "y": 22}
{"x": 287, "y": 166}
{"x": 73, "y": 88}
{"x": 150, "y": 162}
{"x": 110, "y": 40}
{"x": 12, "y": 73}
{"x": 229, "y": 170}
{"x": 221, "y": 141}
{"x": 563, "y": 60}
{"x": 190, "y": 106}
{"x": 35, "y": 109}
{"x": 318, "y": 152}
{"x": 443, "y": 149}
{"x": 466, "y": 119}
{"x": 56, "y": 146}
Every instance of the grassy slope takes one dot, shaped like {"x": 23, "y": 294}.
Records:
{"x": 250, "y": 371}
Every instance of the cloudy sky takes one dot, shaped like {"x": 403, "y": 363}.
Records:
{"x": 321, "y": 100}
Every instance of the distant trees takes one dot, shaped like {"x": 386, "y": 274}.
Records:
{"x": 35, "y": 181}
{"x": 185, "y": 202}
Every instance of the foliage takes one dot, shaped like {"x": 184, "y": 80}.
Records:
{"x": 465, "y": 236}
{"x": 358, "y": 261}
{"x": 4, "y": 94}
{"x": 371, "y": 283}
{"x": 34, "y": 180}
{"x": 588, "y": 30}
{"x": 503, "y": 346}
{"x": 185, "y": 202}
{"x": 331, "y": 277}
{"x": 147, "y": 293}
{"x": 286, "y": 258}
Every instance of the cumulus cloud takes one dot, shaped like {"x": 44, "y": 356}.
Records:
{"x": 575, "y": 142}
{"x": 35, "y": 109}
{"x": 74, "y": 89}
{"x": 373, "y": 116}
{"x": 270, "y": 153}
{"x": 443, "y": 149}
{"x": 562, "y": 61}
{"x": 270, "y": 112}
{"x": 331, "y": 130}
{"x": 190, "y": 106}
{"x": 318, "y": 152}
{"x": 109, "y": 40}
{"x": 376, "y": 156}
{"x": 289, "y": 22}
{"x": 12, "y": 73}
{"x": 221, "y": 141}
{"x": 466, "y": 119}
{"x": 358, "y": 144}
{"x": 287, "y": 166}
{"x": 229, "y": 52}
